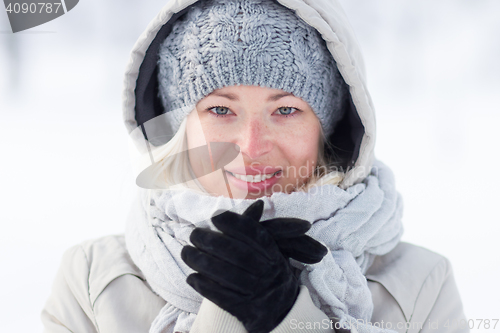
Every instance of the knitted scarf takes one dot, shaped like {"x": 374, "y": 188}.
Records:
{"x": 355, "y": 224}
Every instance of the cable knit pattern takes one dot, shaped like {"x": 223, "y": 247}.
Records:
{"x": 221, "y": 43}
{"x": 355, "y": 225}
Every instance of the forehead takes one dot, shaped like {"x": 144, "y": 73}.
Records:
{"x": 236, "y": 93}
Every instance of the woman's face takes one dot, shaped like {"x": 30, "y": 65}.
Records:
{"x": 276, "y": 132}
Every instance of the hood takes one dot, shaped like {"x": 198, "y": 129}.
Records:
{"x": 354, "y": 135}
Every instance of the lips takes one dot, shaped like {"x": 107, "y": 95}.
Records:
{"x": 253, "y": 178}
{"x": 252, "y": 185}
{"x": 253, "y": 170}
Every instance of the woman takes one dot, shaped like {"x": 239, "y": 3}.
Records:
{"x": 253, "y": 126}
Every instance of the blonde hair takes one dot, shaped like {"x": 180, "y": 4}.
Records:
{"x": 173, "y": 170}
{"x": 327, "y": 169}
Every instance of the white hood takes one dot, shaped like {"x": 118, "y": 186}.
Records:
{"x": 355, "y": 134}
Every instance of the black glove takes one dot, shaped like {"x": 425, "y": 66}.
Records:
{"x": 245, "y": 269}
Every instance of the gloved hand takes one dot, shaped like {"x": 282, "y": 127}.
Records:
{"x": 245, "y": 269}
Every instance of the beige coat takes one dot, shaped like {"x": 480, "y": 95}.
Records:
{"x": 99, "y": 289}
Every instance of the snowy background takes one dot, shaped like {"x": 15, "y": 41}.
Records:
{"x": 433, "y": 73}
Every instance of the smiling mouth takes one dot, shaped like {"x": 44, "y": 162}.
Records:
{"x": 254, "y": 179}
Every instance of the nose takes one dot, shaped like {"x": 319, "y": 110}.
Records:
{"x": 255, "y": 139}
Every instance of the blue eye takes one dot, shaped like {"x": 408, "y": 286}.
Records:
{"x": 219, "y": 110}
{"x": 286, "y": 110}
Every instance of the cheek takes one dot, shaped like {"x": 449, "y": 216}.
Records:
{"x": 193, "y": 130}
{"x": 301, "y": 147}
{"x": 199, "y": 133}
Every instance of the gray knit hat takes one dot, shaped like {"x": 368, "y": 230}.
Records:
{"x": 221, "y": 43}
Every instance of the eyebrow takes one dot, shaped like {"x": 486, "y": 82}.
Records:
{"x": 233, "y": 97}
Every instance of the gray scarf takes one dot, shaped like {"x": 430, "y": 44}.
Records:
{"x": 355, "y": 224}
